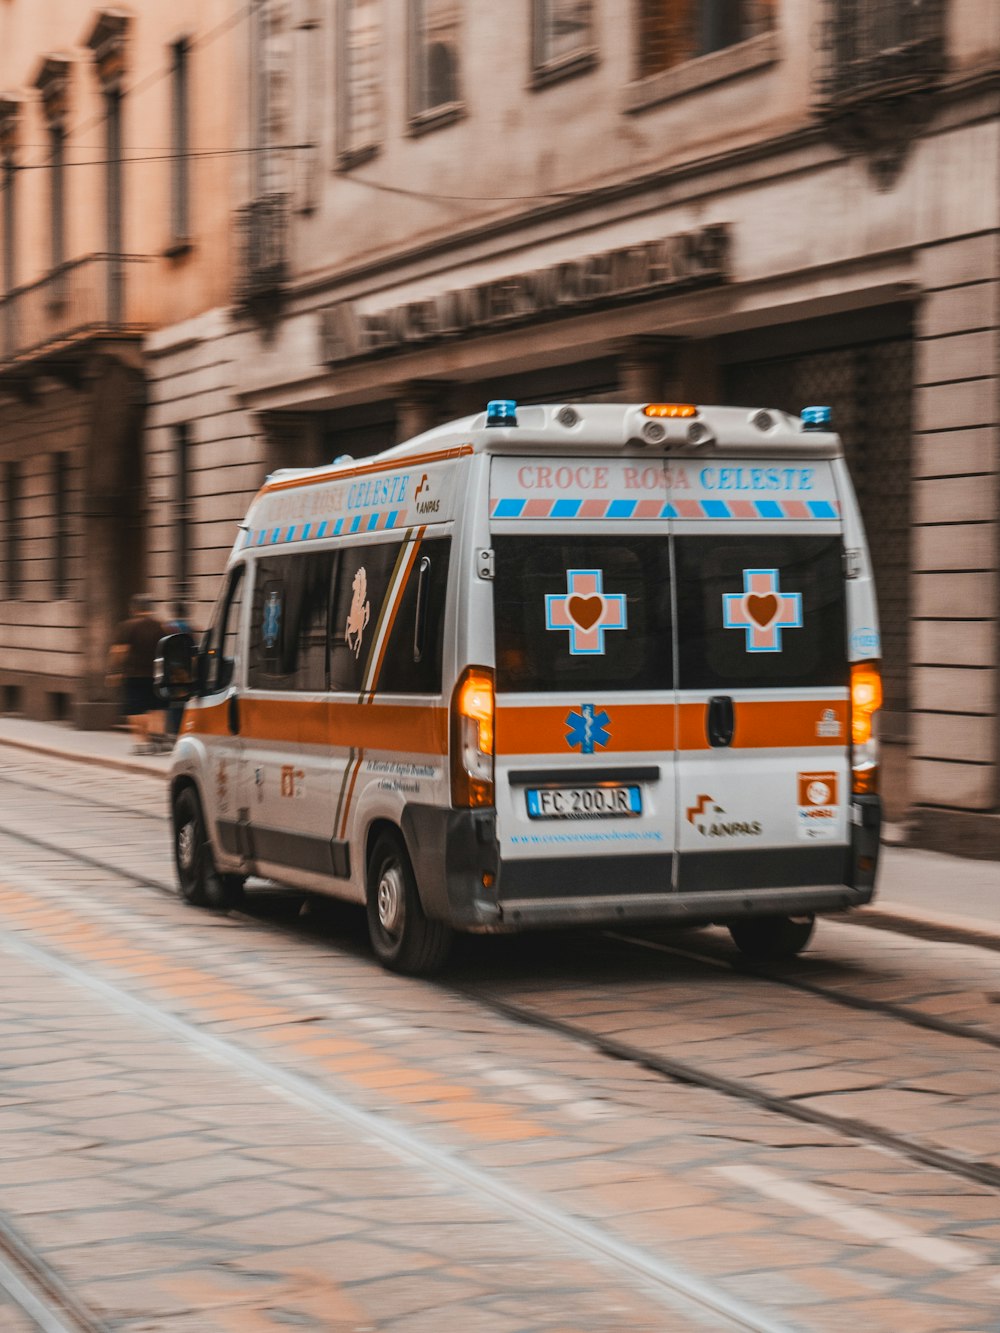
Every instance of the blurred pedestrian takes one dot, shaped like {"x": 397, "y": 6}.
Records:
{"x": 179, "y": 625}
{"x": 130, "y": 668}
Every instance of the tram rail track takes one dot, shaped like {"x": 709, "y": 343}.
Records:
{"x": 675, "y": 1070}
{"x": 38, "y": 1291}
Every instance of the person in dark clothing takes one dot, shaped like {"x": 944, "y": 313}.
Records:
{"x": 130, "y": 666}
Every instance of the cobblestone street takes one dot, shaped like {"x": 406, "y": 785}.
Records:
{"x": 240, "y": 1122}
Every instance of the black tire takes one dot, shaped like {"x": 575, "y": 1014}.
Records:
{"x": 200, "y": 883}
{"x": 768, "y": 939}
{"x": 403, "y": 938}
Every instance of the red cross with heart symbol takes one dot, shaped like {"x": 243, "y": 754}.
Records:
{"x": 762, "y": 610}
{"x": 585, "y": 610}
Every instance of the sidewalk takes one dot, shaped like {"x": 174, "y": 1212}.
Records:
{"x": 916, "y": 889}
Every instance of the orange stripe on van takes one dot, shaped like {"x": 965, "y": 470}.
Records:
{"x": 523, "y": 730}
{"x": 211, "y": 721}
{"x": 373, "y": 726}
{"x": 399, "y": 464}
{"x": 769, "y": 724}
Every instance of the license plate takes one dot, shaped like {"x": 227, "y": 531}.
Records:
{"x": 584, "y": 802}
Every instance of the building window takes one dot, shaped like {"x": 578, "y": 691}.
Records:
{"x": 182, "y": 509}
{"x": 674, "y": 31}
{"x": 563, "y": 36}
{"x": 360, "y": 64}
{"x": 9, "y": 223}
{"x": 180, "y": 193}
{"x": 434, "y": 46}
{"x": 57, "y": 193}
{"x": 113, "y": 203}
{"x": 60, "y": 534}
{"x": 12, "y": 528}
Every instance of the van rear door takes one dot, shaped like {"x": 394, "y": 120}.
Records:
{"x": 763, "y": 760}
{"x": 585, "y": 716}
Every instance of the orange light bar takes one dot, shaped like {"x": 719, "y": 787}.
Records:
{"x": 670, "y": 410}
{"x": 866, "y": 699}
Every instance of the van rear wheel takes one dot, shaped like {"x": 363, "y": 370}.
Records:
{"x": 201, "y": 885}
{"x": 403, "y": 938}
{"x": 768, "y": 939}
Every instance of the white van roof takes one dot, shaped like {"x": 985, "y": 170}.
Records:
{"x": 649, "y": 428}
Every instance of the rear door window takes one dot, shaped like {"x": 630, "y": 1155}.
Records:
{"x": 582, "y": 612}
{"x": 760, "y": 611}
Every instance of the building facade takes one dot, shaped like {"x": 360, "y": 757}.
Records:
{"x": 774, "y": 202}
{"x": 115, "y": 153}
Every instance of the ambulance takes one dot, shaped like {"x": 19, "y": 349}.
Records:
{"x": 576, "y": 665}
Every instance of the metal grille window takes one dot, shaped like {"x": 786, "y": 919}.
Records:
{"x": 673, "y": 31}
{"x": 434, "y": 28}
{"x": 361, "y": 62}
{"x": 873, "y": 43}
{"x": 869, "y": 388}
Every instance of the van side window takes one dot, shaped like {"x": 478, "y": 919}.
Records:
{"x": 362, "y": 579}
{"x": 412, "y": 662}
{"x": 288, "y": 622}
{"x": 220, "y": 644}
{"x": 760, "y": 611}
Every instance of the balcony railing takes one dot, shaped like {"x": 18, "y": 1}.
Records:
{"x": 876, "y": 47}
{"x": 262, "y": 228}
{"x": 96, "y": 295}
{"x": 883, "y": 63}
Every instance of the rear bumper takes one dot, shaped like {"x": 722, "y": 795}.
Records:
{"x": 462, "y": 879}
{"x": 693, "y": 909}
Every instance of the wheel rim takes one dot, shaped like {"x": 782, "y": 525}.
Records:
{"x": 186, "y": 846}
{"x": 389, "y": 900}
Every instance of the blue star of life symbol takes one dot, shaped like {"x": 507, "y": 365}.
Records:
{"x": 587, "y": 728}
{"x": 272, "y": 619}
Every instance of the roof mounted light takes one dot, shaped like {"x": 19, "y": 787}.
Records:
{"x": 501, "y": 412}
{"x": 816, "y": 418}
{"x": 670, "y": 410}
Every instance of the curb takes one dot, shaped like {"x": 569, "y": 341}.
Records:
{"x": 123, "y": 765}
{"x": 924, "y": 925}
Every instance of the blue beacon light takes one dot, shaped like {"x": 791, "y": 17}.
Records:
{"x": 816, "y": 418}
{"x": 501, "y": 412}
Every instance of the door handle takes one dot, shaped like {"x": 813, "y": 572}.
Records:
{"x": 234, "y": 714}
{"x": 720, "y": 720}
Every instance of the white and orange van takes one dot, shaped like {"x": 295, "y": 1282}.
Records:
{"x": 547, "y": 666}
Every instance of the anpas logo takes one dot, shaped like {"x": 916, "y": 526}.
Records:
{"x": 425, "y": 505}
{"x": 702, "y": 815}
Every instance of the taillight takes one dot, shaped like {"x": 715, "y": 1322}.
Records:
{"x": 472, "y": 706}
{"x": 866, "y": 700}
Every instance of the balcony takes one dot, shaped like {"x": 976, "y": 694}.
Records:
{"x": 262, "y": 232}
{"x": 883, "y": 62}
{"x": 97, "y": 296}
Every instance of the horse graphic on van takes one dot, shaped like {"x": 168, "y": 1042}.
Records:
{"x": 360, "y": 612}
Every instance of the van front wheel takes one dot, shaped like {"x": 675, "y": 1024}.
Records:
{"x": 403, "y": 938}
{"x": 200, "y": 883}
{"x": 768, "y": 939}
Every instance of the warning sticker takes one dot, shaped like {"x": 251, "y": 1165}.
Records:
{"x": 817, "y": 805}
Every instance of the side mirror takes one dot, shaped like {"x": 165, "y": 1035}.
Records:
{"x": 175, "y": 668}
